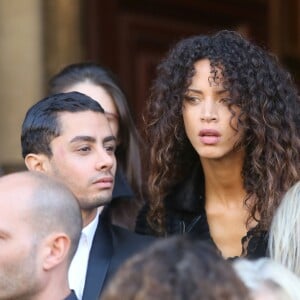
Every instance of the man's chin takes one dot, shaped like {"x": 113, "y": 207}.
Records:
{"x": 105, "y": 202}
{"x": 95, "y": 202}
{"x": 101, "y": 200}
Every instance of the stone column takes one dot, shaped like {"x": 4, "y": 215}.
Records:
{"x": 21, "y": 71}
{"x": 38, "y": 37}
{"x": 63, "y": 34}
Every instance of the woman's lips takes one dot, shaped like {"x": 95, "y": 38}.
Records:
{"x": 209, "y": 136}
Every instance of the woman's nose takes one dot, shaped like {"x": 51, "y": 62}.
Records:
{"x": 208, "y": 111}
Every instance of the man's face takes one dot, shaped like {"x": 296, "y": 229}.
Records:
{"x": 83, "y": 157}
{"x": 19, "y": 255}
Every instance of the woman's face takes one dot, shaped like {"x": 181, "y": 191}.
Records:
{"x": 99, "y": 94}
{"x": 208, "y": 123}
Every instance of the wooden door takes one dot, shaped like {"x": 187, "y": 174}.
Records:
{"x": 131, "y": 36}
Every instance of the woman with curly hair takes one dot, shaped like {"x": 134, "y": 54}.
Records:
{"x": 222, "y": 124}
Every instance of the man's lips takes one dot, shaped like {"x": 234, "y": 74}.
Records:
{"x": 209, "y": 136}
{"x": 104, "y": 182}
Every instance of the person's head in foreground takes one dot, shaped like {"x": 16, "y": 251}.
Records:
{"x": 176, "y": 268}
{"x": 268, "y": 280}
{"x": 284, "y": 241}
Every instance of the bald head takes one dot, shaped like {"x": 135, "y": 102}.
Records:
{"x": 40, "y": 225}
{"x": 43, "y": 203}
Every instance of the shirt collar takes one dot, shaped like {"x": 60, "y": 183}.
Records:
{"x": 88, "y": 231}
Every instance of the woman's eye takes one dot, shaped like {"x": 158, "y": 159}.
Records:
{"x": 225, "y": 100}
{"x": 191, "y": 99}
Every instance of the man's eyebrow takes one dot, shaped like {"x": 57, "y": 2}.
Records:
{"x": 87, "y": 138}
{"x": 109, "y": 139}
{"x": 83, "y": 138}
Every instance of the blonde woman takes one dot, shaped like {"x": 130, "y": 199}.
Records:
{"x": 284, "y": 241}
{"x": 268, "y": 280}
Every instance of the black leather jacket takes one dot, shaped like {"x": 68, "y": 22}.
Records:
{"x": 185, "y": 213}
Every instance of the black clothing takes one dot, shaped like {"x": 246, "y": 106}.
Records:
{"x": 71, "y": 296}
{"x": 111, "y": 246}
{"x": 122, "y": 188}
{"x": 185, "y": 213}
{"x": 124, "y": 206}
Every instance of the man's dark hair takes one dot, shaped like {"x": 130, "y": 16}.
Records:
{"x": 41, "y": 124}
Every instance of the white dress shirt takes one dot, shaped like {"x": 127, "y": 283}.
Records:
{"x": 78, "y": 267}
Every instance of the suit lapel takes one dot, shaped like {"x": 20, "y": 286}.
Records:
{"x": 99, "y": 259}
{"x": 72, "y": 296}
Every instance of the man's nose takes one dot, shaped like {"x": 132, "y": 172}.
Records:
{"x": 105, "y": 161}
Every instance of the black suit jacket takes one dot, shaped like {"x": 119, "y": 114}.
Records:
{"x": 112, "y": 245}
{"x": 71, "y": 296}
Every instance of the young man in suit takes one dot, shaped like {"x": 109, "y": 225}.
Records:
{"x": 67, "y": 136}
{"x": 40, "y": 226}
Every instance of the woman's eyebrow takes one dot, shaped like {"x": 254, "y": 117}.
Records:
{"x": 194, "y": 91}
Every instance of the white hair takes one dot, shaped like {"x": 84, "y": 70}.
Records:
{"x": 265, "y": 276}
{"x": 284, "y": 236}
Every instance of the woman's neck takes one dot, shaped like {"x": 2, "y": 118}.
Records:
{"x": 223, "y": 181}
{"x": 227, "y": 214}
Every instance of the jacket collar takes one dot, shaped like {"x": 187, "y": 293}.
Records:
{"x": 188, "y": 195}
{"x": 99, "y": 258}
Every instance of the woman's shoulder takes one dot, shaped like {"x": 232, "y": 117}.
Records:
{"x": 176, "y": 221}
{"x": 122, "y": 188}
{"x": 255, "y": 243}
{"x": 182, "y": 205}
{"x": 142, "y": 226}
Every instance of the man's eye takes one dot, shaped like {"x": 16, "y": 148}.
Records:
{"x": 3, "y": 237}
{"x": 110, "y": 149}
{"x": 84, "y": 149}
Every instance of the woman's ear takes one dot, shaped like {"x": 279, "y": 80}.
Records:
{"x": 56, "y": 250}
{"x": 37, "y": 162}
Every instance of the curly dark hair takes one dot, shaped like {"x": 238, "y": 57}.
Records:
{"x": 177, "y": 268}
{"x": 269, "y": 104}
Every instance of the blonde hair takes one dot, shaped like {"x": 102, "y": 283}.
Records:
{"x": 284, "y": 236}
{"x": 267, "y": 276}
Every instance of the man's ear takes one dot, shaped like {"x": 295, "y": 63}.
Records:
{"x": 37, "y": 162}
{"x": 56, "y": 250}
